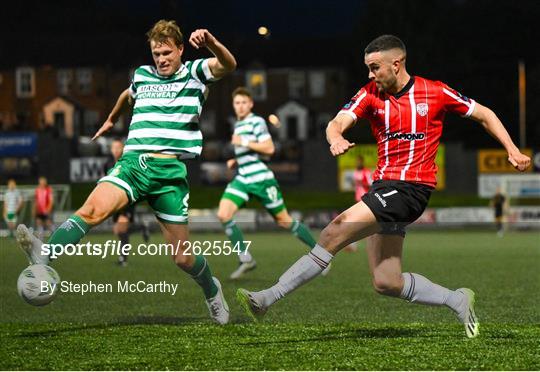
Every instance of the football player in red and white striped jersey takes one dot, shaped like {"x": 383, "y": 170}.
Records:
{"x": 406, "y": 114}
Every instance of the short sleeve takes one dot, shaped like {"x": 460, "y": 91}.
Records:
{"x": 134, "y": 79}
{"x": 260, "y": 129}
{"x": 200, "y": 70}
{"x": 358, "y": 106}
{"x": 457, "y": 103}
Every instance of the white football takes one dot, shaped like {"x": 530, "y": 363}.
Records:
{"x": 38, "y": 284}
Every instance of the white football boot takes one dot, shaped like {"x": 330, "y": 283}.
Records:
{"x": 217, "y": 306}
{"x": 468, "y": 316}
{"x": 31, "y": 246}
{"x": 243, "y": 268}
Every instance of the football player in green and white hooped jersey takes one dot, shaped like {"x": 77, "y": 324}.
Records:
{"x": 167, "y": 101}
{"x": 13, "y": 203}
{"x": 252, "y": 140}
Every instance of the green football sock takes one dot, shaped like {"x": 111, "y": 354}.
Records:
{"x": 70, "y": 232}
{"x": 202, "y": 274}
{"x": 235, "y": 235}
{"x": 302, "y": 232}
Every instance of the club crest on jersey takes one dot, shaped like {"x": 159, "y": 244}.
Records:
{"x": 405, "y": 136}
{"x": 422, "y": 109}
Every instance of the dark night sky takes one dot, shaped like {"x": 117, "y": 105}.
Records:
{"x": 474, "y": 45}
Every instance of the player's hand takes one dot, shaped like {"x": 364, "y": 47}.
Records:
{"x": 340, "y": 146}
{"x": 201, "y": 38}
{"x": 236, "y": 140}
{"x": 519, "y": 161}
{"x": 231, "y": 163}
{"x": 104, "y": 128}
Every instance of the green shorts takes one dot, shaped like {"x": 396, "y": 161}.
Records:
{"x": 160, "y": 181}
{"x": 267, "y": 192}
{"x": 11, "y": 217}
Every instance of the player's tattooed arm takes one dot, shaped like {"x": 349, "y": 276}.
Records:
{"x": 223, "y": 62}
{"x": 122, "y": 103}
{"x": 495, "y": 128}
{"x": 334, "y": 134}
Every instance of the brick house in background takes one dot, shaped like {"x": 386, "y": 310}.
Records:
{"x": 71, "y": 101}
{"x": 74, "y": 101}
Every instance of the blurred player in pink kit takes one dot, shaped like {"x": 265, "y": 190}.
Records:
{"x": 362, "y": 182}
{"x": 362, "y": 179}
{"x": 43, "y": 207}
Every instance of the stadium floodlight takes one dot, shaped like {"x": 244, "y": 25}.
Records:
{"x": 263, "y": 31}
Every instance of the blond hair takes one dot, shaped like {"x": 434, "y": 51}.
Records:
{"x": 163, "y": 30}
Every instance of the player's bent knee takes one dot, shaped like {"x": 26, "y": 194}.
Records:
{"x": 386, "y": 286}
{"x": 224, "y": 216}
{"x": 183, "y": 261}
{"x": 284, "y": 222}
{"x": 92, "y": 215}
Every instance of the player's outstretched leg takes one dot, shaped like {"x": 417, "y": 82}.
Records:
{"x": 384, "y": 257}
{"x": 102, "y": 202}
{"x": 354, "y": 224}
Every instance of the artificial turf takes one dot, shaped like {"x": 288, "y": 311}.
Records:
{"x": 336, "y": 322}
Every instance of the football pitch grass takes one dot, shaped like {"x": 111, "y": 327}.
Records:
{"x": 336, "y": 322}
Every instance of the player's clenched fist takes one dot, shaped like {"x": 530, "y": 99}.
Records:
{"x": 340, "y": 146}
{"x": 519, "y": 161}
{"x": 201, "y": 38}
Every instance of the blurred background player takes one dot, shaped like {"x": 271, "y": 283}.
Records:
{"x": 362, "y": 182}
{"x": 404, "y": 180}
{"x": 13, "y": 203}
{"x": 362, "y": 179}
{"x": 252, "y": 142}
{"x": 498, "y": 202}
{"x": 123, "y": 219}
{"x": 43, "y": 207}
{"x": 152, "y": 166}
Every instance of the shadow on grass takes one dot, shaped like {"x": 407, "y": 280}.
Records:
{"x": 359, "y": 333}
{"x": 121, "y": 322}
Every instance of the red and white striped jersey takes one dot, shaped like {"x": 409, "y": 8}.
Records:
{"x": 408, "y": 126}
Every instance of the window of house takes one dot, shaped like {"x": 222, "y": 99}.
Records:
{"x": 297, "y": 83}
{"x": 63, "y": 81}
{"x": 84, "y": 80}
{"x": 25, "y": 82}
{"x": 317, "y": 84}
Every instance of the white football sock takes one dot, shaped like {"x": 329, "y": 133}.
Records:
{"x": 245, "y": 256}
{"x": 301, "y": 272}
{"x": 421, "y": 290}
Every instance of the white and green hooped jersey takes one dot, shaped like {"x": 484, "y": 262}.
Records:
{"x": 12, "y": 198}
{"x": 251, "y": 168}
{"x": 167, "y": 109}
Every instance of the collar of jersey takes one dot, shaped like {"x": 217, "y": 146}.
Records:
{"x": 247, "y": 117}
{"x": 405, "y": 89}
